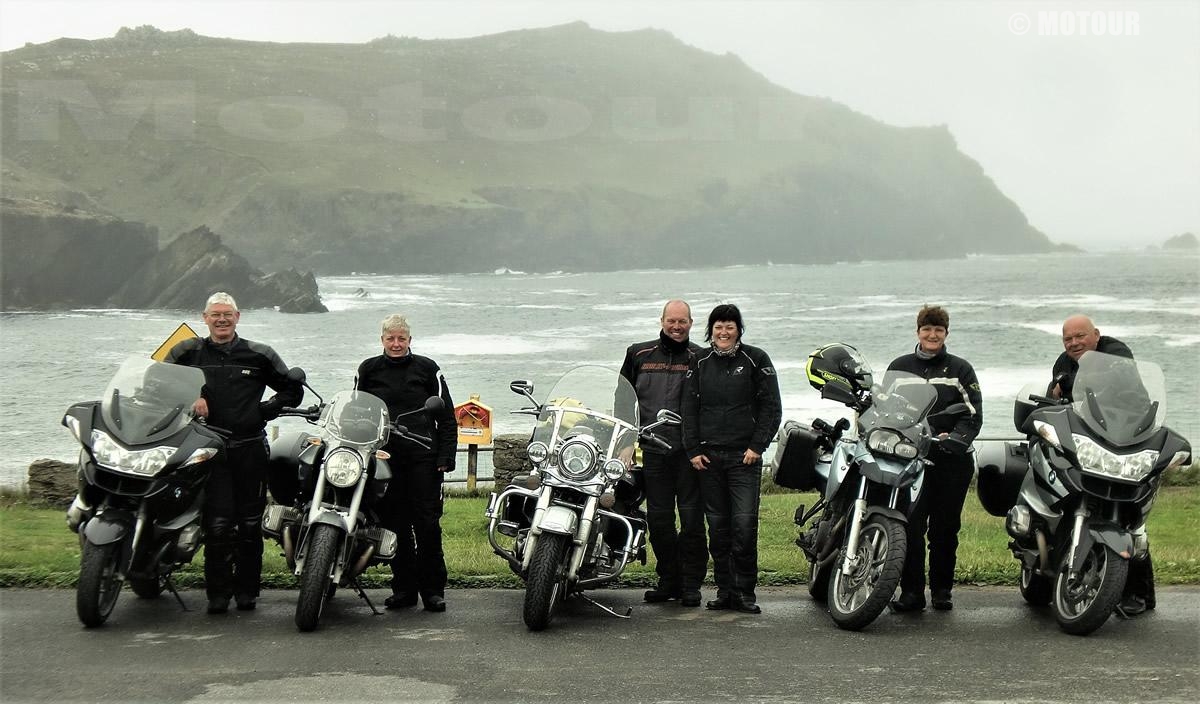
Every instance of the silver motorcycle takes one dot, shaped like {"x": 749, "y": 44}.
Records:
{"x": 574, "y": 522}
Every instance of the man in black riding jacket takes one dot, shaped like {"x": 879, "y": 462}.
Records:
{"x": 657, "y": 370}
{"x": 938, "y": 509}
{"x": 1081, "y": 335}
{"x": 236, "y": 372}
{"x": 412, "y": 506}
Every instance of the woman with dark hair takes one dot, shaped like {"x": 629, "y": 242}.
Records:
{"x": 938, "y": 510}
{"x": 731, "y": 410}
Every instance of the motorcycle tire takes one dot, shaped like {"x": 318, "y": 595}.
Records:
{"x": 314, "y": 580}
{"x": 1082, "y": 606}
{"x": 857, "y": 599}
{"x": 818, "y": 582}
{"x": 543, "y": 588}
{"x": 147, "y": 587}
{"x": 1035, "y": 588}
{"x": 99, "y": 584}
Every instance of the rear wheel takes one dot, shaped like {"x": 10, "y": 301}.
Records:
{"x": 856, "y": 599}
{"x": 818, "y": 582}
{"x": 1082, "y": 605}
{"x": 315, "y": 579}
{"x": 544, "y": 587}
{"x": 1035, "y": 588}
{"x": 99, "y": 584}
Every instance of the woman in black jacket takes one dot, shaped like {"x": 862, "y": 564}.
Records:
{"x": 731, "y": 410}
{"x": 939, "y": 507}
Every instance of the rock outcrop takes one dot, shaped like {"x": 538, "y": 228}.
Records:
{"x": 54, "y": 256}
{"x": 52, "y": 482}
{"x": 196, "y": 263}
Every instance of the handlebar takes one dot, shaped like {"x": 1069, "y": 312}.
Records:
{"x": 656, "y": 441}
{"x": 309, "y": 412}
{"x": 403, "y": 432}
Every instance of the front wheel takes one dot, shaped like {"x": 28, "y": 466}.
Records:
{"x": 1082, "y": 605}
{"x": 315, "y": 579}
{"x": 1035, "y": 588}
{"x": 99, "y": 584}
{"x": 543, "y": 589}
{"x": 856, "y": 599}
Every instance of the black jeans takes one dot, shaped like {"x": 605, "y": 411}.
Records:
{"x": 938, "y": 511}
{"x": 680, "y": 557}
{"x": 730, "y": 491}
{"x": 234, "y": 499}
{"x": 412, "y": 508}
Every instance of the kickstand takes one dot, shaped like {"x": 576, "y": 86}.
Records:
{"x": 170, "y": 584}
{"x": 602, "y": 607}
{"x": 358, "y": 588}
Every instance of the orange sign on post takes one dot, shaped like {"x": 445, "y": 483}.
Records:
{"x": 474, "y": 422}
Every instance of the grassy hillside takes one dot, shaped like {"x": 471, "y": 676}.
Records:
{"x": 559, "y": 147}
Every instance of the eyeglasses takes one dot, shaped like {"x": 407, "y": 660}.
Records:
{"x": 221, "y": 316}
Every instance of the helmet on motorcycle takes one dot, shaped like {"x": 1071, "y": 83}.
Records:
{"x": 839, "y": 372}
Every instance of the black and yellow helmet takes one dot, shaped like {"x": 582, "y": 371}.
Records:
{"x": 839, "y": 372}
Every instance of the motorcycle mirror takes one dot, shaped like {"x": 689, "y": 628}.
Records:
{"x": 296, "y": 374}
{"x": 951, "y": 410}
{"x": 433, "y": 404}
{"x": 521, "y": 386}
{"x": 668, "y": 416}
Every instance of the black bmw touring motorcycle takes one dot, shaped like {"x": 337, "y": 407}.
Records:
{"x": 143, "y": 464}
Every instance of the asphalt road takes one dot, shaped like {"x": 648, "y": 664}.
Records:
{"x": 991, "y": 648}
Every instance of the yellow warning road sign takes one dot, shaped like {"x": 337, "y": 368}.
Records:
{"x": 183, "y": 332}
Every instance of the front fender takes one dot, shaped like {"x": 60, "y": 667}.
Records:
{"x": 892, "y": 513}
{"x": 558, "y": 519}
{"x": 332, "y": 518}
{"x": 108, "y": 527}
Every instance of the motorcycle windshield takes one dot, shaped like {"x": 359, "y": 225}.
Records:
{"x": 1122, "y": 400}
{"x": 357, "y": 417}
{"x": 147, "y": 401}
{"x": 900, "y": 401}
{"x": 589, "y": 400}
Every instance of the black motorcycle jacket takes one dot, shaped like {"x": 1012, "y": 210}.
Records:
{"x": 404, "y": 384}
{"x": 955, "y": 380}
{"x": 1065, "y": 368}
{"x": 657, "y": 370}
{"x": 235, "y": 376}
{"x": 731, "y": 402}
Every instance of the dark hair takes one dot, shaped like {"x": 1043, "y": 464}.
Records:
{"x": 933, "y": 315}
{"x": 725, "y": 311}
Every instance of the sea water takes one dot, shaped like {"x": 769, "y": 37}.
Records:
{"x": 486, "y": 330}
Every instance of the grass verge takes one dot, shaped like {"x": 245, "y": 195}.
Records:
{"x": 37, "y": 550}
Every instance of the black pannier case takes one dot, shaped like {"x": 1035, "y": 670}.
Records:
{"x": 795, "y": 463}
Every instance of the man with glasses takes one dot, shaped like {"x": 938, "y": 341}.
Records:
{"x": 236, "y": 373}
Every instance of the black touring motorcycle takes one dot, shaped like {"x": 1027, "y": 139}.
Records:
{"x": 1077, "y": 492}
{"x": 143, "y": 464}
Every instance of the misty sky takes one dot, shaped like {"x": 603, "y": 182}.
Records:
{"x": 1095, "y": 136}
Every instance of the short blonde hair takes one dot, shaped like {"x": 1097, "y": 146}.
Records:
{"x": 395, "y": 321}
{"x": 220, "y": 298}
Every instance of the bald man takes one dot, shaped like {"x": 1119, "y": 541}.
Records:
{"x": 1081, "y": 335}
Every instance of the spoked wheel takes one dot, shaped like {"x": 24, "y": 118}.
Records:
{"x": 99, "y": 584}
{"x": 544, "y": 587}
{"x": 856, "y": 599}
{"x": 1082, "y": 605}
{"x": 1035, "y": 588}
{"x": 315, "y": 581}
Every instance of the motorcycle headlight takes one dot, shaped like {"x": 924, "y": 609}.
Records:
{"x": 537, "y": 452}
{"x": 614, "y": 470}
{"x": 343, "y": 468}
{"x": 145, "y": 463}
{"x": 1097, "y": 460}
{"x": 889, "y": 442}
{"x": 577, "y": 459}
